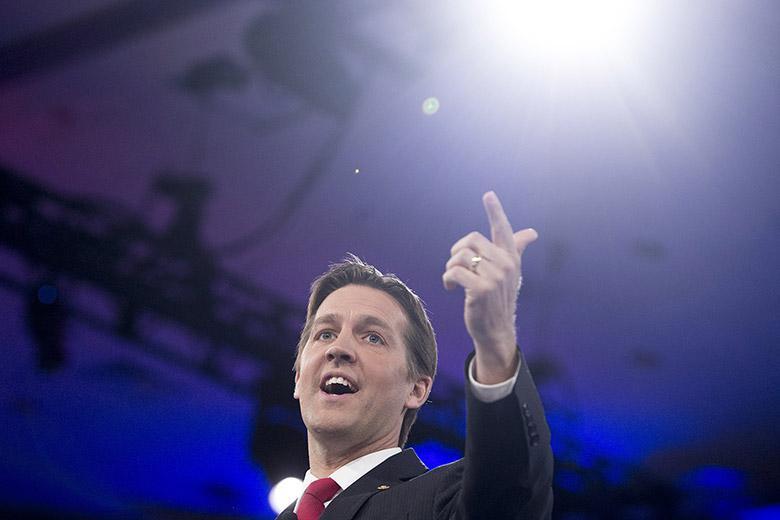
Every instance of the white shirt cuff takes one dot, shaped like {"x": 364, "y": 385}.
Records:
{"x": 491, "y": 393}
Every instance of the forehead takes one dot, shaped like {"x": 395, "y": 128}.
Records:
{"x": 359, "y": 301}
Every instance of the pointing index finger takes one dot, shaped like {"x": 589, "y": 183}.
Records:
{"x": 500, "y": 228}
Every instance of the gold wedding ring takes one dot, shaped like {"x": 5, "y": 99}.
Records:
{"x": 475, "y": 260}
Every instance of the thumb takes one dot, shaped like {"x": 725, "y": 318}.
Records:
{"x": 523, "y": 238}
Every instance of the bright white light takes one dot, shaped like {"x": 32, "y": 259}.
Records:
{"x": 575, "y": 31}
{"x": 284, "y": 492}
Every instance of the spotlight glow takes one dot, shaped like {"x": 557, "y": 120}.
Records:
{"x": 577, "y": 31}
{"x": 284, "y": 492}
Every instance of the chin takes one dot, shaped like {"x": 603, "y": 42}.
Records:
{"x": 332, "y": 424}
{"x": 330, "y": 431}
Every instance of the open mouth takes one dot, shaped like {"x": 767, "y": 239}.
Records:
{"x": 337, "y": 385}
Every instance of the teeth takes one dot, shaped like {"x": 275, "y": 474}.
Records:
{"x": 338, "y": 381}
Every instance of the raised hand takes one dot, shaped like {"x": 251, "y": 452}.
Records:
{"x": 489, "y": 272}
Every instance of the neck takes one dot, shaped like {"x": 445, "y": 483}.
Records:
{"x": 327, "y": 457}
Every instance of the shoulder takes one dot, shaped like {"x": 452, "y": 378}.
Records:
{"x": 432, "y": 494}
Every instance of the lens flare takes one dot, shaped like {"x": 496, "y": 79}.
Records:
{"x": 430, "y": 106}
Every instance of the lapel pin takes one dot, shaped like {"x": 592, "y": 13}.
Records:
{"x": 383, "y": 487}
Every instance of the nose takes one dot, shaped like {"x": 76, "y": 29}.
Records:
{"x": 340, "y": 354}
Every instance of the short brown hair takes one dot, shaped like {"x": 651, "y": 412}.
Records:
{"x": 419, "y": 336}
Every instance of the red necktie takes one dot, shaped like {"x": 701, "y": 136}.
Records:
{"x": 312, "y": 502}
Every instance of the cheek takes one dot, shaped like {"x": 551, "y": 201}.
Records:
{"x": 396, "y": 379}
{"x": 303, "y": 376}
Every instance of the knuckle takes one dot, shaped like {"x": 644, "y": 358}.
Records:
{"x": 460, "y": 255}
{"x": 457, "y": 246}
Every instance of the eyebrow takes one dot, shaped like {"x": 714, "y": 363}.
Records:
{"x": 365, "y": 320}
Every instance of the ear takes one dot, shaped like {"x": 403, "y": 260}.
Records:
{"x": 295, "y": 390}
{"x": 419, "y": 393}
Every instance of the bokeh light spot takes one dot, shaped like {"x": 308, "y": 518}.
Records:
{"x": 284, "y": 492}
{"x": 430, "y": 106}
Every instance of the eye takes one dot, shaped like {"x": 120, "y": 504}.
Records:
{"x": 374, "y": 338}
{"x": 325, "y": 335}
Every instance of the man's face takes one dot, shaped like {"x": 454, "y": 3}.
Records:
{"x": 353, "y": 382}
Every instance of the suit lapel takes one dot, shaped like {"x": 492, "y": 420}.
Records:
{"x": 395, "y": 470}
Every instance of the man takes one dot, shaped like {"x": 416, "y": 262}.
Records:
{"x": 365, "y": 364}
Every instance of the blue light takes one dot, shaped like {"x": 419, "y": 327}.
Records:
{"x": 569, "y": 480}
{"x": 761, "y": 513}
{"x": 434, "y": 454}
{"x": 715, "y": 491}
{"x": 715, "y": 477}
{"x": 47, "y": 294}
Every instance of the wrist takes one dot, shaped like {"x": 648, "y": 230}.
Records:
{"x": 495, "y": 367}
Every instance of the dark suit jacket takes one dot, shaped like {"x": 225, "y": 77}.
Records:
{"x": 506, "y": 472}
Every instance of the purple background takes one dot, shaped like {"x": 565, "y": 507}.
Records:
{"x": 654, "y": 189}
